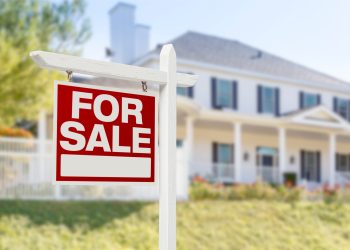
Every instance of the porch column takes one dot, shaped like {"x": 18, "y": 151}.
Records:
{"x": 332, "y": 153}
{"x": 237, "y": 151}
{"x": 189, "y": 152}
{"x": 281, "y": 152}
{"x": 41, "y": 143}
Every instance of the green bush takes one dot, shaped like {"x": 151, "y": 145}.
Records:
{"x": 201, "y": 190}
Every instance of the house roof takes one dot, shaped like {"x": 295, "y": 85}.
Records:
{"x": 230, "y": 53}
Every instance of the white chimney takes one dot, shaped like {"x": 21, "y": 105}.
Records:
{"x": 141, "y": 40}
{"x": 128, "y": 39}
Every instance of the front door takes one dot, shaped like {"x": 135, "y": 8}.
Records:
{"x": 267, "y": 162}
{"x": 310, "y": 165}
{"x": 223, "y": 162}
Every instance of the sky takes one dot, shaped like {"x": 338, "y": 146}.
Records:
{"x": 314, "y": 33}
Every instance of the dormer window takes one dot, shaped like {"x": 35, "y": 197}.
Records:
{"x": 224, "y": 93}
{"x": 308, "y": 100}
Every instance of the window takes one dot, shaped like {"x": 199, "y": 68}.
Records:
{"x": 342, "y": 107}
{"x": 343, "y": 163}
{"x": 311, "y": 165}
{"x": 222, "y": 153}
{"x": 188, "y": 92}
{"x": 308, "y": 100}
{"x": 224, "y": 93}
{"x": 179, "y": 143}
{"x": 268, "y": 100}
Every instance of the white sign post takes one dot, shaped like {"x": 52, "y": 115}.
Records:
{"x": 168, "y": 79}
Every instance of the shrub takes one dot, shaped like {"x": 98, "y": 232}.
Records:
{"x": 205, "y": 191}
{"x": 15, "y": 132}
{"x": 202, "y": 190}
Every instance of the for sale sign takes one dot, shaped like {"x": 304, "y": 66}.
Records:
{"x": 104, "y": 134}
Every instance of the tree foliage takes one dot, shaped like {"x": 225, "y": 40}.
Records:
{"x": 27, "y": 25}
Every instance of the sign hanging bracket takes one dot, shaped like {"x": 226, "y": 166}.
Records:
{"x": 69, "y": 75}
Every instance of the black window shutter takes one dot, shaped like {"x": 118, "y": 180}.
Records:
{"x": 318, "y": 153}
{"x": 215, "y": 152}
{"x": 213, "y": 92}
{"x": 277, "y": 102}
{"x": 319, "y": 99}
{"x": 190, "y": 92}
{"x": 302, "y": 164}
{"x": 348, "y": 164}
{"x": 232, "y": 153}
{"x": 235, "y": 95}
{"x": 259, "y": 99}
{"x": 337, "y": 161}
{"x": 301, "y": 100}
{"x": 335, "y": 104}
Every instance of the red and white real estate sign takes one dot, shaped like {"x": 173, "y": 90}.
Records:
{"x": 104, "y": 135}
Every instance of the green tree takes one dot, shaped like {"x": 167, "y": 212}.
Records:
{"x": 27, "y": 25}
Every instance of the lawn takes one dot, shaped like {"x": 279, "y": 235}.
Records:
{"x": 201, "y": 225}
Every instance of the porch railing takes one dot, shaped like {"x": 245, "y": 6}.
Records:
{"x": 26, "y": 172}
{"x": 268, "y": 174}
{"x": 342, "y": 177}
{"x": 217, "y": 172}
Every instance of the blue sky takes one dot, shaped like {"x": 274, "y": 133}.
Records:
{"x": 315, "y": 33}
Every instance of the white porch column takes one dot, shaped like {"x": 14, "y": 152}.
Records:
{"x": 281, "y": 152}
{"x": 41, "y": 144}
{"x": 332, "y": 153}
{"x": 237, "y": 151}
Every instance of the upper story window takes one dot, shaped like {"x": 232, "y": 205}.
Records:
{"x": 224, "y": 93}
{"x": 308, "y": 100}
{"x": 268, "y": 100}
{"x": 342, "y": 107}
{"x": 183, "y": 91}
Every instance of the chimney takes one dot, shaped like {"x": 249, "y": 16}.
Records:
{"x": 128, "y": 39}
{"x": 141, "y": 40}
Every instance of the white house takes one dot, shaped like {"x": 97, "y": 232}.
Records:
{"x": 251, "y": 116}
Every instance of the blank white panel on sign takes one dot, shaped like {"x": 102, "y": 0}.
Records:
{"x": 101, "y": 166}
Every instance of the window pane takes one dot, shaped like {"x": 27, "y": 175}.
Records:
{"x": 343, "y": 108}
{"x": 179, "y": 143}
{"x": 224, "y": 93}
{"x": 268, "y": 100}
{"x": 267, "y": 160}
{"x": 310, "y": 100}
{"x": 224, "y": 153}
{"x": 182, "y": 91}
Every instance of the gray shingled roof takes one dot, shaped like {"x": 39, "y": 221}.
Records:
{"x": 230, "y": 53}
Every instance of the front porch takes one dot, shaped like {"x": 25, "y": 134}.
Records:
{"x": 228, "y": 147}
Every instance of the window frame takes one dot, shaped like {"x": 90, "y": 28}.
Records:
{"x": 216, "y": 93}
{"x": 304, "y": 97}
{"x": 217, "y": 146}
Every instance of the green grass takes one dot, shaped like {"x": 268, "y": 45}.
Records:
{"x": 201, "y": 225}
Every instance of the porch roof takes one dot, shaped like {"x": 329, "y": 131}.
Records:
{"x": 318, "y": 118}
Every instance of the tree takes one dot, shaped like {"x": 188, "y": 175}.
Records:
{"x": 27, "y": 25}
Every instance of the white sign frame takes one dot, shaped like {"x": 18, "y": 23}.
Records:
{"x": 168, "y": 79}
